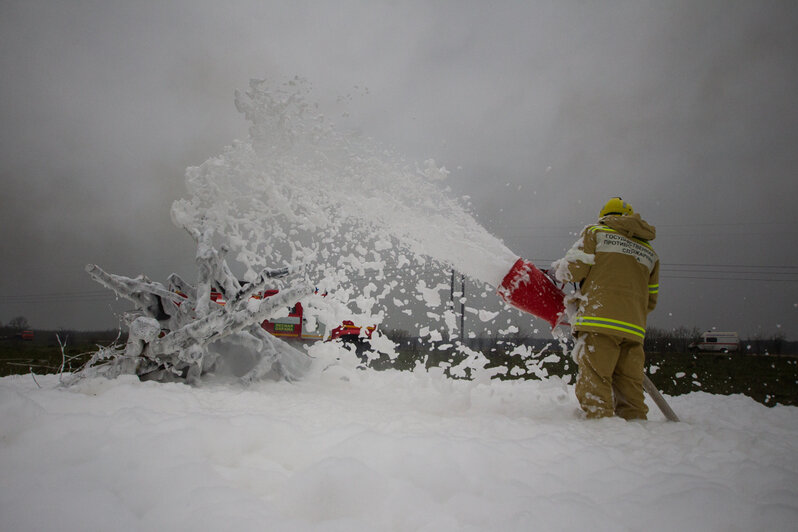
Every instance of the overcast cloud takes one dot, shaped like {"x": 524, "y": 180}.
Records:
{"x": 542, "y": 110}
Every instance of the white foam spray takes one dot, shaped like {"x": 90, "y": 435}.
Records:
{"x": 299, "y": 190}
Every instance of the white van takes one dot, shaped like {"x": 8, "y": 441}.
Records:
{"x": 722, "y": 342}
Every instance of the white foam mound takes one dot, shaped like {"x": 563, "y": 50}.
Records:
{"x": 351, "y": 450}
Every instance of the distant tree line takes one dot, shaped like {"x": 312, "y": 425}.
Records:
{"x": 17, "y": 323}
{"x": 676, "y": 340}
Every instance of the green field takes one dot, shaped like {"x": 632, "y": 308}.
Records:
{"x": 43, "y": 354}
{"x": 769, "y": 379}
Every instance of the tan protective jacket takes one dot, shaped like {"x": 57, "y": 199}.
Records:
{"x": 620, "y": 281}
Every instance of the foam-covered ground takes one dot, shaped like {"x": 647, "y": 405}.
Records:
{"x": 348, "y": 449}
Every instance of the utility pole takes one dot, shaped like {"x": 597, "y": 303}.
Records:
{"x": 462, "y": 302}
{"x": 451, "y": 293}
{"x": 462, "y": 309}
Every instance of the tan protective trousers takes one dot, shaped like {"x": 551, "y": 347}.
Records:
{"x": 610, "y": 378}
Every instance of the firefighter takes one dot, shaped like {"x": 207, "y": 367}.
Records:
{"x": 617, "y": 272}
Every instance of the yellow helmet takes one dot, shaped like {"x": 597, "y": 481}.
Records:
{"x": 616, "y": 206}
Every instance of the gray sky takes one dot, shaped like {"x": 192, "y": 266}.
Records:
{"x": 542, "y": 110}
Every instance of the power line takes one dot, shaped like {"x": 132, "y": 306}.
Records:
{"x": 698, "y": 265}
{"x": 58, "y": 300}
{"x": 58, "y": 297}
{"x": 730, "y": 235}
{"x": 728, "y": 272}
{"x": 711, "y": 271}
{"x": 725, "y": 224}
{"x": 732, "y": 266}
{"x": 711, "y": 224}
{"x": 725, "y": 272}
{"x": 75, "y": 293}
{"x": 716, "y": 278}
